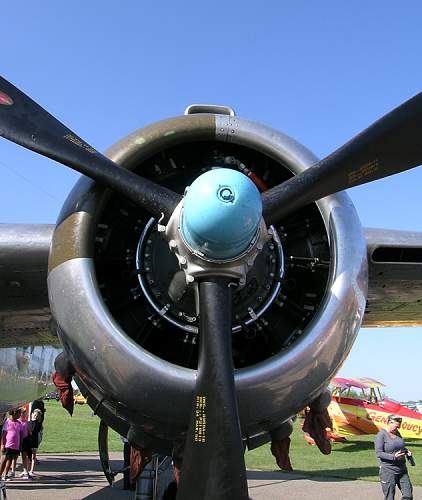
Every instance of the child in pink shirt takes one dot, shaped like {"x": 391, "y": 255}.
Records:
{"x": 11, "y": 438}
{"x": 25, "y": 445}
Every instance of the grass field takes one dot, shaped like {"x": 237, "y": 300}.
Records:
{"x": 354, "y": 459}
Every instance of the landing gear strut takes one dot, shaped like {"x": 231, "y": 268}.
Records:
{"x": 153, "y": 480}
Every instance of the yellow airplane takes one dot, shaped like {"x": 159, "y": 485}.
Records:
{"x": 367, "y": 414}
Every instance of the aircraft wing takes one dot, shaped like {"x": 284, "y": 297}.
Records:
{"x": 395, "y": 278}
{"x": 394, "y": 289}
{"x": 24, "y": 307}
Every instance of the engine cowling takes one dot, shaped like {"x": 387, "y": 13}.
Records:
{"x": 127, "y": 317}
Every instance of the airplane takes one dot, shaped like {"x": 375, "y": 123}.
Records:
{"x": 353, "y": 415}
{"x": 207, "y": 276}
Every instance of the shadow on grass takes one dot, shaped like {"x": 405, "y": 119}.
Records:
{"x": 351, "y": 446}
{"x": 323, "y": 475}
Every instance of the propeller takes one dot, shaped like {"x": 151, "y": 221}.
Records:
{"x": 213, "y": 462}
{"x": 389, "y": 146}
{"x": 26, "y": 123}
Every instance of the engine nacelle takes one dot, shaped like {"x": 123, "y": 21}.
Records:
{"x": 127, "y": 317}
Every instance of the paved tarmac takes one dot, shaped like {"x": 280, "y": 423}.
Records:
{"x": 78, "y": 476}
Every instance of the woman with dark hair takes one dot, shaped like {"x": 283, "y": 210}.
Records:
{"x": 38, "y": 404}
{"x": 391, "y": 453}
{"x": 34, "y": 426}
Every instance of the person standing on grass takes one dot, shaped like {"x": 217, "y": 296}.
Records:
{"x": 34, "y": 426}
{"x": 11, "y": 439}
{"x": 21, "y": 419}
{"x": 39, "y": 404}
{"x": 391, "y": 452}
{"x": 25, "y": 445}
{"x": 14, "y": 461}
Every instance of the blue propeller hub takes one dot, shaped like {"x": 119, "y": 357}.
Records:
{"x": 221, "y": 214}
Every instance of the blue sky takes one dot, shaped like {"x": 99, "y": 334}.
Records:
{"x": 318, "y": 71}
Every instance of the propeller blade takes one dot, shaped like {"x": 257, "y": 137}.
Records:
{"x": 213, "y": 465}
{"x": 26, "y": 123}
{"x": 389, "y": 146}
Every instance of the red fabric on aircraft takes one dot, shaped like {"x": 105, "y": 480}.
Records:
{"x": 64, "y": 386}
{"x": 335, "y": 437}
{"x": 176, "y": 473}
{"x": 280, "y": 450}
{"x": 315, "y": 425}
{"x": 178, "y": 449}
{"x": 138, "y": 461}
{"x": 308, "y": 439}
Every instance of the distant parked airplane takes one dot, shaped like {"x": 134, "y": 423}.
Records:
{"x": 366, "y": 414}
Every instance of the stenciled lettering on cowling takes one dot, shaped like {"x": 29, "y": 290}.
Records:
{"x": 200, "y": 419}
